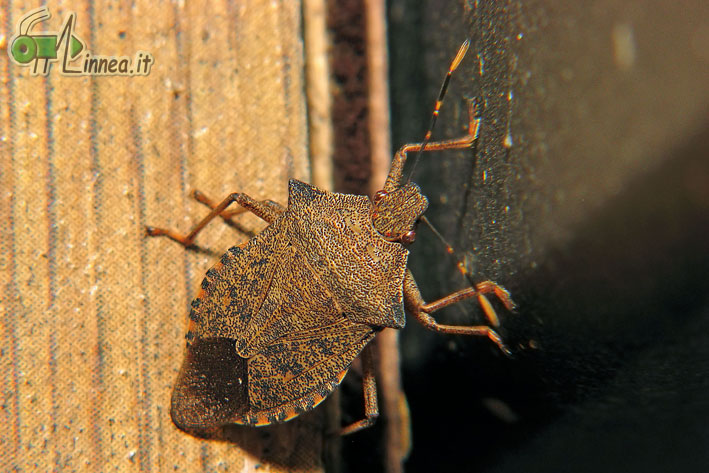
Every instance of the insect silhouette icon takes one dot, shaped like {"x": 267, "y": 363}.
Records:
{"x": 279, "y": 320}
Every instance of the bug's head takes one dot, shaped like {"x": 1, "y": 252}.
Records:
{"x": 396, "y": 213}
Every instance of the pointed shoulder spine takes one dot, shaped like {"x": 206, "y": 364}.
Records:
{"x": 301, "y": 192}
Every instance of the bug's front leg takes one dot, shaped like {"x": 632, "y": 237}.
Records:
{"x": 415, "y": 304}
{"x": 394, "y": 178}
{"x": 369, "y": 386}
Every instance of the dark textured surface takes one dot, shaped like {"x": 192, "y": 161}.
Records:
{"x": 587, "y": 198}
{"x": 348, "y": 63}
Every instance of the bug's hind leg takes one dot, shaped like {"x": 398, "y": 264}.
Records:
{"x": 227, "y": 214}
{"x": 369, "y": 386}
{"x": 266, "y": 210}
{"x": 418, "y": 308}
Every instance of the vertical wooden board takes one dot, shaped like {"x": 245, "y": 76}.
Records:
{"x": 73, "y": 328}
{"x": 9, "y": 436}
{"x": 116, "y": 274}
{"x": 27, "y": 170}
{"x": 159, "y": 128}
{"x": 94, "y": 320}
{"x": 73, "y": 290}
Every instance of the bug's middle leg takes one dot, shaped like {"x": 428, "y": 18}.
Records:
{"x": 267, "y": 210}
{"x": 415, "y": 304}
{"x": 369, "y": 386}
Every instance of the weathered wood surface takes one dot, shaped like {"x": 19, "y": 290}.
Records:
{"x": 93, "y": 313}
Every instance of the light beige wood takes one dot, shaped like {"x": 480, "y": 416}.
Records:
{"x": 93, "y": 313}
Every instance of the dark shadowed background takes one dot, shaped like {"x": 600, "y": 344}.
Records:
{"x": 588, "y": 198}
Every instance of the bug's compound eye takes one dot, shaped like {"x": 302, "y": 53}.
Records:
{"x": 408, "y": 237}
{"x": 379, "y": 195}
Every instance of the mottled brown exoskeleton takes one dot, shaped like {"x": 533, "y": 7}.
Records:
{"x": 279, "y": 320}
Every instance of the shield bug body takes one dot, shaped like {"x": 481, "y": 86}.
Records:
{"x": 279, "y": 320}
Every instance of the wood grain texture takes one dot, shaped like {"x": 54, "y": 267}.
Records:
{"x": 93, "y": 313}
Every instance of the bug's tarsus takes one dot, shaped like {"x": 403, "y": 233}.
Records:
{"x": 475, "y": 110}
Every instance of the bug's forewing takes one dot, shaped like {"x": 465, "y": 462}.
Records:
{"x": 296, "y": 372}
{"x": 290, "y": 376}
{"x": 269, "y": 340}
{"x": 212, "y": 385}
{"x": 234, "y": 289}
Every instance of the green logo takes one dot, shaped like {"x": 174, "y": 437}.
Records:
{"x": 39, "y": 50}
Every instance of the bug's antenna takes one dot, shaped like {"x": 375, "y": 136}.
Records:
{"x": 484, "y": 302}
{"x": 449, "y": 247}
{"x": 436, "y": 109}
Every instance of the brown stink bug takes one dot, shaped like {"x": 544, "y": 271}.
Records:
{"x": 279, "y": 320}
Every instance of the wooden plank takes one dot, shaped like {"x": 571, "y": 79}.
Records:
{"x": 95, "y": 314}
